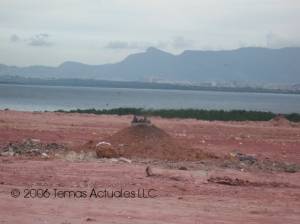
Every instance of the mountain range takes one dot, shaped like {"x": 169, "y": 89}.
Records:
{"x": 252, "y": 65}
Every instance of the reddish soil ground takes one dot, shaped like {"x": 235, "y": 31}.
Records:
{"x": 183, "y": 196}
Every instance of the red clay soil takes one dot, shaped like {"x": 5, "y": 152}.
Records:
{"x": 263, "y": 139}
{"x": 184, "y": 196}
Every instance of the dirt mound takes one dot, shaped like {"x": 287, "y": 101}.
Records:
{"x": 281, "y": 121}
{"x": 144, "y": 141}
{"x": 106, "y": 150}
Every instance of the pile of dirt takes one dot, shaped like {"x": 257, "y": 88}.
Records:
{"x": 145, "y": 141}
{"x": 31, "y": 147}
{"x": 280, "y": 121}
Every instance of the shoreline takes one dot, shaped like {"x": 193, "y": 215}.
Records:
{"x": 144, "y": 85}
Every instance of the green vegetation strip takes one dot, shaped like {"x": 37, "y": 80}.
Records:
{"x": 210, "y": 115}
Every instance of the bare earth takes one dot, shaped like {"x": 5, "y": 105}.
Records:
{"x": 182, "y": 196}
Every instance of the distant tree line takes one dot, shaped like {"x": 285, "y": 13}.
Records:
{"x": 210, "y": 115}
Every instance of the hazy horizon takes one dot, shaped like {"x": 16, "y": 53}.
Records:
{"x": 99, "y": 32}
{"x": 142, "y": 51}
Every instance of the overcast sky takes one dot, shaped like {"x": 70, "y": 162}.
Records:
{"x": 49, "y": 32}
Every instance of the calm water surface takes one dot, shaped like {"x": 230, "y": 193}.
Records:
{"x": 40, "y": 98}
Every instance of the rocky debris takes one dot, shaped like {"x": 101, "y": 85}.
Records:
{"x": 240, "y": 182}
{"x": 267, "y": 164}
{"x": 243, "y": 157}
{"x": 291, "y": 168}
{"x": 31, "y": 147}
{"x": 247, "y": 162}
{"x": 9, "y": 152}
{"x": 228, "y": 181}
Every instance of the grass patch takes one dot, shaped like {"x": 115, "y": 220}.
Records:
{"x": 210, "y": 115}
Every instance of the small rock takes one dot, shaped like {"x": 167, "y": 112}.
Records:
{"x": 125, "y": 160}
{"x": 35, "y": 140}
{"x": 114, "y": 160}
{"x": 183, "y": 168}
{"x": 8, "y": 153}
{"x": 243, "y": 157}
{"x": 149, "y": 171}
{"x": 45, "y": 155}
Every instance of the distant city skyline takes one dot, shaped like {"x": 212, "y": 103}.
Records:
{"x": 50, "y": 32}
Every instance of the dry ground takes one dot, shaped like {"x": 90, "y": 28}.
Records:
{"x": 182, "y": 196}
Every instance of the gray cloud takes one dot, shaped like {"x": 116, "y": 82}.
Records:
{"x": 121, "y": 27}
{"x": 123, "y": 45}
{"x": 15, "y": 38}
{"x": 40, "y": 40}
{"x": 175, "y": 43}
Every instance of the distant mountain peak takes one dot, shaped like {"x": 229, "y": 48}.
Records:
{"x": 249, "y": 65}
{"x": 156, "y": 50}
{"x": 152, "y": 49}
{"x": 70, "y": 63}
